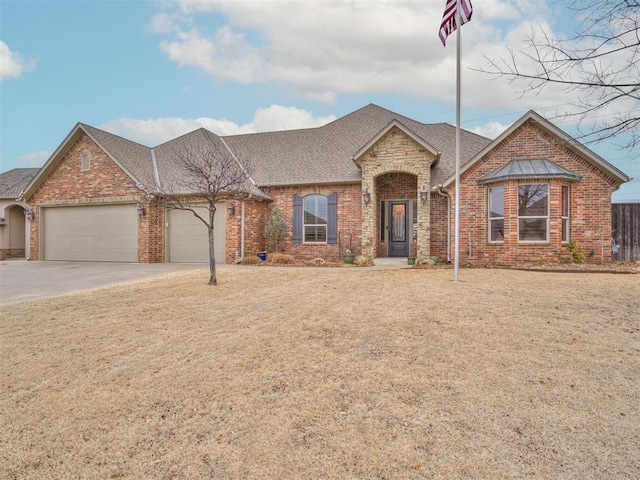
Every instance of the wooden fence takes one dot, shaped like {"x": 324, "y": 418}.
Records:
{"x": 625, "y": 228}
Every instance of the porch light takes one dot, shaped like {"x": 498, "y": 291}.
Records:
{"x": 28, "y": 213}
{"x": 424, "y": 194}
{"x": 141, "y": 210}
{"x": 231, "y": 208}
{"x": 366, "y": 196}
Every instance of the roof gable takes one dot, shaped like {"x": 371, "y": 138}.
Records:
{"x": 127, "y": 155}
{"x": 550, "y": 128}
{"x": 396, "y": 124}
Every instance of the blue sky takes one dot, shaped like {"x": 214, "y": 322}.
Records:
{"x": 150, "y": 71}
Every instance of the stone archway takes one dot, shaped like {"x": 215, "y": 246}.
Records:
{"x": 396, "y": 152}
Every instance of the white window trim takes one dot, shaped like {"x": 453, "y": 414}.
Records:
{"x": 305, "y": 225}
{"x": 568, "y": 216}
{"x": 490, "y": 218}
{"x": 546, "y": 217}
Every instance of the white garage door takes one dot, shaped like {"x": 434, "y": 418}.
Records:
{"x": 97, "y": 233}
{"x": 188, "y": 237}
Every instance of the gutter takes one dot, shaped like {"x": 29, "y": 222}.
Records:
{"x": 438, "y": 189}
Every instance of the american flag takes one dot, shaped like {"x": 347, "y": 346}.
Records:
{"x": 448, "y": 25}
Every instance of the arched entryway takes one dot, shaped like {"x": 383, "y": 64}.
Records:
{"x": 12, "y": 233}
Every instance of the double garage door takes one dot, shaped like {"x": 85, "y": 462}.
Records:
{"x": 96, "y": 233}
{"x": 109, "y": 233}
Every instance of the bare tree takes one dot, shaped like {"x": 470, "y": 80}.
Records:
{"x": 600, "y": 63}
{"x": 204, "y": 174}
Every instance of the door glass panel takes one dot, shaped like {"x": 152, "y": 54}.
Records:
{"x": 398, "y": 233}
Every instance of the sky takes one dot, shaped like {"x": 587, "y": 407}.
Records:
{"x": 153, "y": 70}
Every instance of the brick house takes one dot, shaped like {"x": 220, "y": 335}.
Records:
{"x": 373, "y": 181}
{"x": 13, "y": 225}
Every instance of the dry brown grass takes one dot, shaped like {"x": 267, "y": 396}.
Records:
{"x": 326, "y": 373}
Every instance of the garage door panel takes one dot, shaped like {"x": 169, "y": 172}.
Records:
{"x": 188, "y": 237}
{"x": 104, "y": 233}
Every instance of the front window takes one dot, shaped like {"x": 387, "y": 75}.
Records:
{"x": 496, "y": 214}
{"x": 565, "y": 213}
{"x": 533, "y": 212}
{"x": 315, "y": 219}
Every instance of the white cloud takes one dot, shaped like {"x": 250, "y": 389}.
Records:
{"x": 153, "y": 132}
{"x": 34, "y": 159}
{"x": 490, "y": 130}
{"x": 321, "y": 49}
{"x": 13, "y": 64}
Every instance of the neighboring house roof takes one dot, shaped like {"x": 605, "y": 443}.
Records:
{"x": 528, "y": 168}
{"x": 545, "y": 125}
{"x": 13, "y": 181}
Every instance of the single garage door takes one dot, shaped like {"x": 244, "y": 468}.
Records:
{"x": 188, "y": 237}
{"x": 96, "y": 233}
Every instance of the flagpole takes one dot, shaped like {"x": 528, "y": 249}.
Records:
{"x": 456, "y": 248}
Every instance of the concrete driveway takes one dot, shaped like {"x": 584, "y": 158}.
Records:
{"x": 21, "y": 281}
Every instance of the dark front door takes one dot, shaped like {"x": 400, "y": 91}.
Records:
{"x": 398, "y": 229}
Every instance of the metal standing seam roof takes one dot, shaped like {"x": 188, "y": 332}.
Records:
{"x": 523, "y": 168}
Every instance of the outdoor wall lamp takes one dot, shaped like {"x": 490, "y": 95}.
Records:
{"x": 366, "y": 196}
{"x": 141, "y": 210}
{"x": 424, "y": 194}
{"x": 231, "y": 208}
{"x": 28, "y": 213}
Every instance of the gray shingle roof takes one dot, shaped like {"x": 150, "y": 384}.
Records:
{"x": 135, "y": 158}
{"x": 528, "y": 168}
{"x": 324, "y": 154}
{"x": 13, "y": 181}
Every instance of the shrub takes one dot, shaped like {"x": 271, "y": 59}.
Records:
{"x": 280, "y": 259}
{"x": 576, "y": 254}
{"x": 276, "y": 230}
{"x": 363, "y": 261}
{"x": 251, "y": 259}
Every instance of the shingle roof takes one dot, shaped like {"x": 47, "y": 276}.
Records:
{"x": 135, "y": 158}
{"x": 14, "y": 181}
{"x": 528, "y": 168}
{"x": 324, "y": 154}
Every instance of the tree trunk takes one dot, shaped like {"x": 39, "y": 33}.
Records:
{"x": 213, "y": 279}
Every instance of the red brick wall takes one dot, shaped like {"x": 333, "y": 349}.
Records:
{"x": 438, "y": 245}
{"x": 349, "y": 219}
{"x": 254, "y": 224}
{"x": 590, "y": 207}
{"x": 103, "y": 182}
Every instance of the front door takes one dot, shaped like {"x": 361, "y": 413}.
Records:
{"x": 398, "y": 229}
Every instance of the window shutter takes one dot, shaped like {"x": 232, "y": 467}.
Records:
{"x": 332, "y": 218}
{"x": 297, "y": 219}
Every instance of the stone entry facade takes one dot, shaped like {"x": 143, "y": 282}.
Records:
{"x": 396, "y": 166}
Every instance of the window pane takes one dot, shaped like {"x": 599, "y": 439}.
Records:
{"x": 382, "y": 223}
{"x": 533, "y": 229}
{"x": 533, "y": 200}
{"x": 315, "y": 210}
{"x": 565, "y": 229}
{"x": 496, "y": 202}
{"x": 496, "y": 233}
{"x": 565, "y": 200}
{"x": 315, "y": 234}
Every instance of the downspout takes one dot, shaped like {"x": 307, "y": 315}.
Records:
{"x": 441, "y": 192}
{"x": 239, "y": 260}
